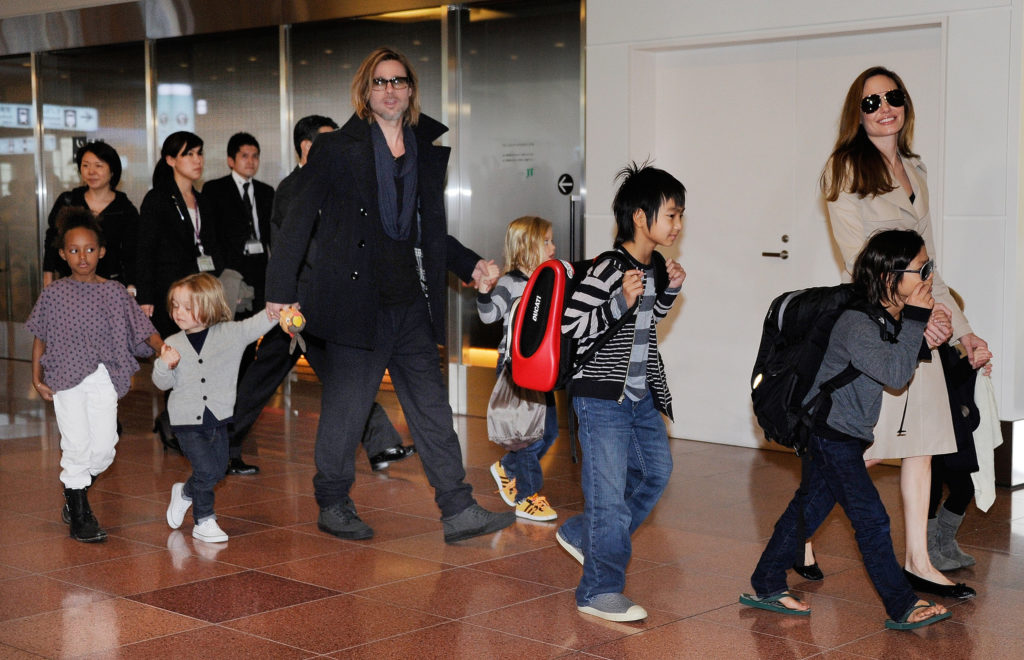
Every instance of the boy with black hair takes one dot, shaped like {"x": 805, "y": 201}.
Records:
{"x": 619, "y": 395}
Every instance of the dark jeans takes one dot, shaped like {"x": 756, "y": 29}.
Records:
{"x": 524, "y": 464}
{"x": 834, "y": 471}
{"x": 626, "y": 466}
{"x": 264, "y": 374}
{"x": 207, "y": 451}
{"x": 351, "y": 376}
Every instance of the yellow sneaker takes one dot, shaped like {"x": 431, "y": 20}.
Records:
{"x": 536, "y": 507}
{"x": 506, "y": 486}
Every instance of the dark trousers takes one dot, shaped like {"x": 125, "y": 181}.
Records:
{"x": 207, "y": 451}
{"x": 261, "y": 377}
{"x": 351, "y": 376}
{"x": 834, "y": 471}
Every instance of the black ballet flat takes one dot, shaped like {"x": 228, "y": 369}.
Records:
{"x": 958, "y": 590}
{"x": 809, "y": 572}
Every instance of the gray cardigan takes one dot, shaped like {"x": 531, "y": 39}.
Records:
{"x": 207, "y": 379}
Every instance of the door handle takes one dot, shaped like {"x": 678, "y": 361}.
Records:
{"x": 781, "y": 255}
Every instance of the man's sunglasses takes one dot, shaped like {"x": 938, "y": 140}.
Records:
{"x": 872, "y": 103}
{"x": 925, "y": 271}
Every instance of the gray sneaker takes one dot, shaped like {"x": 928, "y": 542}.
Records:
{"x": 613, "y": 607}
{"x": 475, "y": 520}
{"x": 340, "y": 519}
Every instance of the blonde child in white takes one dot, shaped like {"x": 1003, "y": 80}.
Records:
{"x": 200, "y": 367}
{"x": 528, "y": 244}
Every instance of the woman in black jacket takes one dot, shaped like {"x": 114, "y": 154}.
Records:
{"x": 100, "y": 168}
{"x": 177, "y": 232}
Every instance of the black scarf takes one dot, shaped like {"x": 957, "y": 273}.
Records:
{"x": 395, "y": 226}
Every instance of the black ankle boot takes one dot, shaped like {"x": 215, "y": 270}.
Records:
{"x": 65, "y": 511}
{"x": 84, "y": 526}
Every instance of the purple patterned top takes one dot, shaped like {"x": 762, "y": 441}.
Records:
{"x": 85, "y": 324}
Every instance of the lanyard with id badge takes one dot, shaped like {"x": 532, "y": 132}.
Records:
{"x": 203, "y": 260}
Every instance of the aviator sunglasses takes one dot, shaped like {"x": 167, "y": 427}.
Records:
{"x": 872, "y": 103}
{"x": 925, "y": 271}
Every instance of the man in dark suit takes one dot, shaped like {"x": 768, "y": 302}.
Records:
{"x": 274, "y": 358}
{"x": 371, "y": 200}
{"x": 242, "y": 209}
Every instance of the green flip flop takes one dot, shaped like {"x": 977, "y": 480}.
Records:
{"x": 772, "y": 604}
{"x": 906, "y": 624}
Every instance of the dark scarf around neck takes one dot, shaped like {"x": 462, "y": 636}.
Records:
{"x": 396, "y": 225}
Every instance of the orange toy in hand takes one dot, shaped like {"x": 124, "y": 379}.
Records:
{"x": 292, "y": 321}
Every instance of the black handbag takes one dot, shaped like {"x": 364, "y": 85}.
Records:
{"x": 960, "y": 381}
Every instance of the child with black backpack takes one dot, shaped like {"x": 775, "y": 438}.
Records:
{"x": 620, "y": 394}
{"x": 881, "y": 336}
{"x": 528, "y": 243}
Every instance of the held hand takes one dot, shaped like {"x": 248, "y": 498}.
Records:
{"x": 485, "y": 274}
{"x": 977, "y": 350}
{"x": 940, "y": 326}
{"x": 147, "y": 310}
{"x": 632, "y": 285}
{"x": 170, "y": 356}
{"x": 676, "y": 274}
{"x": 274, "y": 309}
{"x": 921, "y": 296}
{"x": 44, "y": 390}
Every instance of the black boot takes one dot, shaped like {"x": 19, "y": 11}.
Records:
{"x": 162, "y": 425}
{"x": 65, "y": 512}
{"x": 84, "y": 526}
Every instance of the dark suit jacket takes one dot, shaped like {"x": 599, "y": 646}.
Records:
{"x": 166, "y": 249}
{"x": 336, "y": 287}
{"x": 233, "y": 228}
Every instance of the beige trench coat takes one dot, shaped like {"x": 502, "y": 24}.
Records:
{"x": 914, "y": 421}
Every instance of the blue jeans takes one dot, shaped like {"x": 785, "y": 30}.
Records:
{"x": 524, "y": 464}
{"x": 834, "y": 471}
{"x": 626, "y": 466}
{"x": 207, "y": 451}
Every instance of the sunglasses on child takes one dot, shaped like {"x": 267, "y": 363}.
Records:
{"x": 924, "y": 271}
{"x": 872, "y": 103}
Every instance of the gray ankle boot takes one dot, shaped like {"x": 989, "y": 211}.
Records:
{"x": 939, "y": 560}
{"x": 949, "y": 525}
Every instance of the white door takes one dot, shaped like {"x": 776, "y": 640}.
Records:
{"x": 747, "y": 128}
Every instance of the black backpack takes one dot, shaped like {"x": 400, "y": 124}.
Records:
{"x": 793, "y": 342}
{"x": 541, "y": 357}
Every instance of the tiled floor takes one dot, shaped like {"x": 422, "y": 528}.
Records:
{"x": 281, "y": 589}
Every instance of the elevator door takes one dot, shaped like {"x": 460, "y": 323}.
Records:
{"x": 518, "y": 103}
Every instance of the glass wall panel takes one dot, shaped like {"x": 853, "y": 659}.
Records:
{"x": 519, "y": 131}
{"x": 219, "y": 85}
{"x": 325, "y": 56}
{"x": 94, "y": 94}
{"x": 19, "y": 235}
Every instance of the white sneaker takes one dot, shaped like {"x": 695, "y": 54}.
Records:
{"x": 178, "y": 507}
{"x": 209, "y": 531}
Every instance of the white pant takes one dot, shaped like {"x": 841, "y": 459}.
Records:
{"x": 87, "y": 419}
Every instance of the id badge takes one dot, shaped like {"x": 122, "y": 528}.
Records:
{"x": 252, "y": 246}
{"x": 205, "y": 263}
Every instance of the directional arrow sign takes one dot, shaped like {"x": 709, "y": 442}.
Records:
{"x": 565, "y": 184}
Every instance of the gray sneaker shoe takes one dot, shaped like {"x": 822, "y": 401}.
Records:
{"x": 613, "y": 607}
{"x": 475, "y": 520}
{"x": 575, "y": 551}
{"x": 340, "y": 519}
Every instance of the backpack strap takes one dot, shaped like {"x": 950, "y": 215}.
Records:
{"x": 622, "y": 264}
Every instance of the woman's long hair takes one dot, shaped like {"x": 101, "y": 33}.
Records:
{"x": 856, "y": 165}
{"x": 885, "y": 252}
{"x": 175, "y": 144}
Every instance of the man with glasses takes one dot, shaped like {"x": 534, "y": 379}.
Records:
{"x": 371, "y": 196}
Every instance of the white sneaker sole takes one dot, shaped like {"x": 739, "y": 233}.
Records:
{"x": 216, "y": 538}
{"x": 634, "y": 613}
{"x": 569, "y": 547}
{"x": 175, "y": 517}
{"x": 501, "y": 491}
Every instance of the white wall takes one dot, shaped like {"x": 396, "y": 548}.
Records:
{"x": 964, "y": 57}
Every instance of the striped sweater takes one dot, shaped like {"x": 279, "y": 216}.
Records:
{"x": 495, "y": 305}
{"x": 595, "y": 305}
